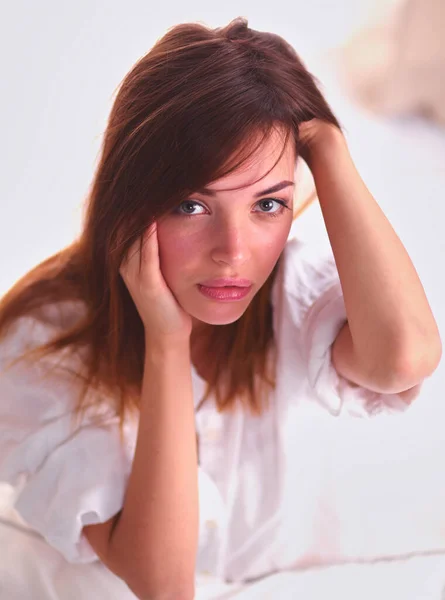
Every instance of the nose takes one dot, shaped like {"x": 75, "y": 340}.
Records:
{"x": 230, "y": 245}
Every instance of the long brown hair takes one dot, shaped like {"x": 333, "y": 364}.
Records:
{"x": 189, "y": 112}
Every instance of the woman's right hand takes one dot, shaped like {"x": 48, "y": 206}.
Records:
{"x": 162, "y": 316}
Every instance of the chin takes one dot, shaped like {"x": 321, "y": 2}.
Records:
{"x": 229, "y": 315}
{"x": 216, "y": 321}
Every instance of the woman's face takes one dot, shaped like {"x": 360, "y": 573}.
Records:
{"x": 222, "y": 233}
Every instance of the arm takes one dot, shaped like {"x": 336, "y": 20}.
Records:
{"x": 391, "y": 341}
{"x": 152, "y": 545}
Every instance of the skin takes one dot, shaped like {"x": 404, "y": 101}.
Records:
{"x": 231, "y": 234}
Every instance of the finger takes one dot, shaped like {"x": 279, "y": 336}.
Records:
{"x": 133, "y": 260}
{"x": 149, "y": 240}
{"x": 149, "y": 257}
{"x": 129, "y": 258}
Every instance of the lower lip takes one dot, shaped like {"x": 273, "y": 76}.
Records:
{"x": 224, "y": 294}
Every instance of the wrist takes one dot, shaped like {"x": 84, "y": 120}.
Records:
{"x": 162, "y": 348}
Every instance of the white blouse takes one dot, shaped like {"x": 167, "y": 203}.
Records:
{"x": 265, "y": 484}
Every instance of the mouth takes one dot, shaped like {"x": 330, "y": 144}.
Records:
{"x": 226, "y": 293}
{"x": 227, "y": 282}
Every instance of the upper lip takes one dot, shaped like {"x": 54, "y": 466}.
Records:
{"x": 226, "y": 282}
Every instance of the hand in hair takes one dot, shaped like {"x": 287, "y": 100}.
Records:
{"x": 313, "y": 135}
{"x": 159, "y": 310}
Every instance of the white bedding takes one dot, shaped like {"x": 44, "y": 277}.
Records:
{"x": 415, "y": 578}
{"x": 419, "y": 577}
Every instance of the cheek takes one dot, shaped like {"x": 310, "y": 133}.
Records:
{"x": 277, "y": 242}
{"x": 178, "y": 251}
{"x": 272, "y": 246}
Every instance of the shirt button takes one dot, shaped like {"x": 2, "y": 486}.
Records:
{"x": 211, "y": 524}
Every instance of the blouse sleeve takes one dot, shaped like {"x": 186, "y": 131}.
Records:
{"x": 317, "y": 308}
{"x": 66, "y": 477}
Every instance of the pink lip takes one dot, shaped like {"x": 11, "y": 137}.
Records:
{"x": 227, "y": 282}
{"x": 226, "y": 293}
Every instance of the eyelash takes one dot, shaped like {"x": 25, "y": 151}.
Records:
{"x": 284, "y": 206}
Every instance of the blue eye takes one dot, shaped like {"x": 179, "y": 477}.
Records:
{"x": 190, "y": 205}
{"x": 280, "y": 210}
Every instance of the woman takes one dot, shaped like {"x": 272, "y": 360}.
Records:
{"x": 188, "y": 316}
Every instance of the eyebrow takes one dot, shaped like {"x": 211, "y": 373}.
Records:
{"x": 275, "y": 188}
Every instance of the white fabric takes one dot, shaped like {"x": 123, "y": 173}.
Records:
{"x": 51, "y": 577}
{"x": 268, "y": 493}
{"x": 414, "y": 578}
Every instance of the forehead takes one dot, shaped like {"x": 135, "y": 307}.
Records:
{"x": 252, "y": 173}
